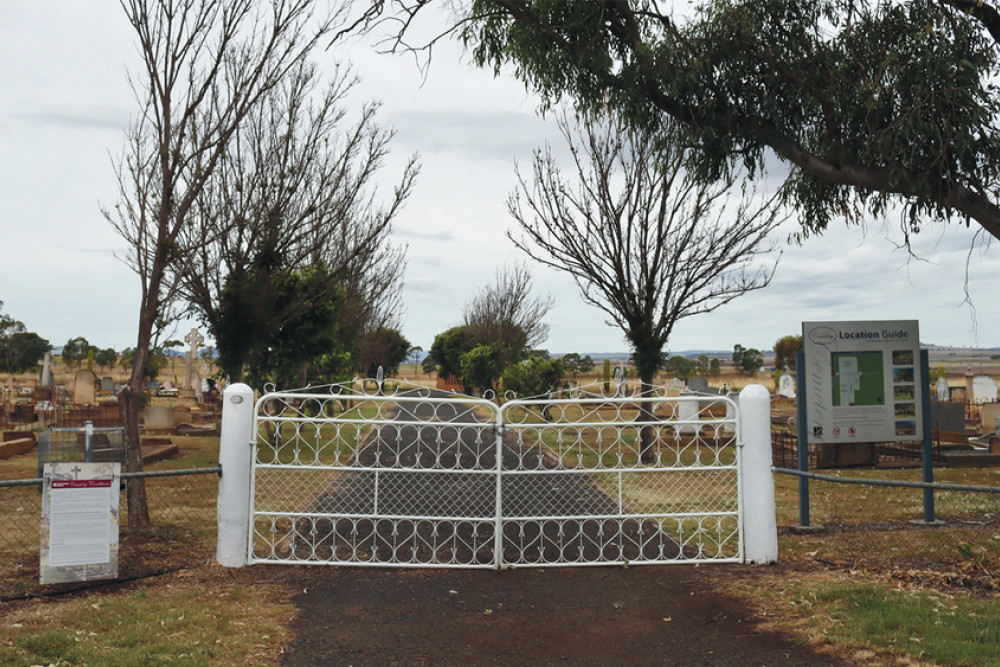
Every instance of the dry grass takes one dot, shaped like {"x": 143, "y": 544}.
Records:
{"x": 829, "y": 589}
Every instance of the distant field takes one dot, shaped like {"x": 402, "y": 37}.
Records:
{"x": 955, "y": 361}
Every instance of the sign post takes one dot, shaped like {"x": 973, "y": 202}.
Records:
{"x": 863, "y": 381}
{"x": 79, "y": 537}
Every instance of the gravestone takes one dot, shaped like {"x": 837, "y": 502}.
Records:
{"x": 675, "y": 387}
{"x": 159, "y": 417}
{"x": 948, "y": 416}
{"x": 45, "y": 378}
{"x": 943, "y": 390}
{"x": 988, "y": 415}
{"x": 108, "y": 384}
{"x": 152, "y": 386}
{"x": 984, "y": 389}
{"x": 698, "y": 384}
{"x": 786, "y": 385}
{"x": 194, "y": 339}
{"x": 687, "y": 410}
{"x": 196, "y": 384}
{"x": 83, "y": 388}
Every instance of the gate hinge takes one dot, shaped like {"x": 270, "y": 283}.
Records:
{"x": 739, "y": 444}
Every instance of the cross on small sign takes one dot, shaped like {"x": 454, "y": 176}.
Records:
{"x": 76, "y": 470}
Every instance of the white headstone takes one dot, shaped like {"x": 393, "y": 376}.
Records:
{"x": 46, "y": 380}
{"x": 943, "y": 390}
{"x": 196, "y": 384}
{"x": 786, "y": 385}
{"x": 194, "y": 339}
{"x": 83, "y": 388}
{"x": 688, "y": 411}
{"x": 984, "y": 389}
{"x": 619, "y": 382}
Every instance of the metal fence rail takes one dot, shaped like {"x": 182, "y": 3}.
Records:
{"x": 878, "y": 525}
{"x": 942, "y": 486}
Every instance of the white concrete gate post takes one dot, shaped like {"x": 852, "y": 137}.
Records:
{"x": 760, "y": 523}
{"x": 234, "y": 485}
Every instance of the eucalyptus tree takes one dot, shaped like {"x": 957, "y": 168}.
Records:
{"x": 20, "y": 349}
{"x": 871, "y": 103}
{"x": 644, "y": 241}
{"x": 205, "y": 65}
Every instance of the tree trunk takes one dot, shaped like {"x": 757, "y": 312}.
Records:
{"x": 129, "y": 403}
{"x": 647, "y": 433}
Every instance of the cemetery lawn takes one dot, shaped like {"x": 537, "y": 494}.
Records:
{"x": 207, "y": 615}
{"x": 876, "y": 619}
{"x": 904, "y": 600}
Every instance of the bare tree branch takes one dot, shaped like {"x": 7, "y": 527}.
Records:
{"x": 643, "y": 241}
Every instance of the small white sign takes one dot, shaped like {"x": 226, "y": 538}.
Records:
{"x": 79, "y": 522}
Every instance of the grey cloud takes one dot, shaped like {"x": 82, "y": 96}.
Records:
{"x": 431, "y": 236}
{"x": 487, "y": 135}
{"x": 78, "y": 121}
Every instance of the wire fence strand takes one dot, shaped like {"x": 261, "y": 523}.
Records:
{"x": 182, "y": 512}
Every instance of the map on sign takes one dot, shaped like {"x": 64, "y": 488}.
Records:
{"x": 858, "y": 378}
{"x": 863, "y": 380}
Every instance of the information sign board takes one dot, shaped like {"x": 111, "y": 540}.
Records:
{"x": 863, "y": 381}
{"x": 79, "y": 537}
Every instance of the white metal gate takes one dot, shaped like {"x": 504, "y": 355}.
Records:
{"x": 382, "y": 474}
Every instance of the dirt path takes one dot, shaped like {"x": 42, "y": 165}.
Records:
{"x": 652, "y": 615}
{"x": 431, "y": 461}
{"x": 657, "y": 615}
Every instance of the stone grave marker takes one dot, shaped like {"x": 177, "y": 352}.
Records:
{"x": 687, "y": 410}
{"x": 984, "y": 389}
{"x": 943, "y": 390}
{"x": 83, "y": 388}
{"x": 194, "y": 339}
{"x": 197, "y": 385}
{"x": 159, "y": 417}
{"x": 947, "y": 416}
{"x": 698, "y": 384}
{"x": 45, "y": 378}
{"x": 786, "y": 385}
{"x": 675, "y": 387}
{"x": 108, "y": 384}
{"x": 989, "y": 413}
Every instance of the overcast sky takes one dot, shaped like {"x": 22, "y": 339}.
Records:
{"x": 66, "y": 102}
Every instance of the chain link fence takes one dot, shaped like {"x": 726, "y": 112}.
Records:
{"x": 182, "y": 509}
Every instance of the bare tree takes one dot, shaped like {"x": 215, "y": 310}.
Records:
{"x": 295, "y": 192}
{"x": 643, "y": 241}
{"x": 505, "y": 316}
{"x": 206, "y": 65}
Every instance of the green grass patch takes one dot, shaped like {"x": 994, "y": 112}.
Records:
{"x": 926, "y": 625}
